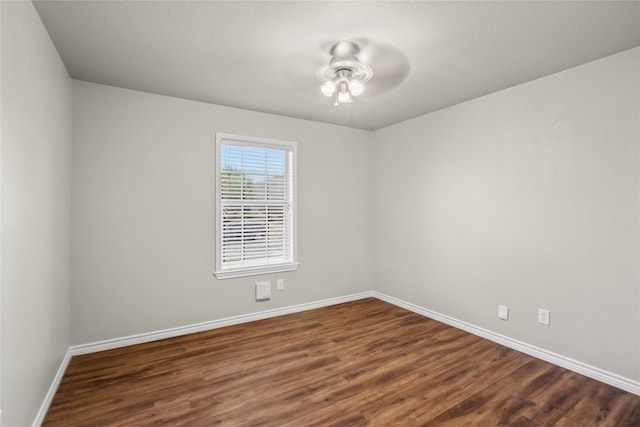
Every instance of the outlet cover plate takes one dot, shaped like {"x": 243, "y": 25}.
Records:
{"x": 503, "y": 312}
{"x": 544, "y": 316}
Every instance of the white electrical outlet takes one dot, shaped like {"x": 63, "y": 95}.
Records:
{"x": 503, "y": 312}
{"x": 543, "y": 316}
{"x": 280, "y": 284}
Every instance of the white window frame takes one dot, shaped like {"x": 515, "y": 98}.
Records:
{"x": 225, "y": 272}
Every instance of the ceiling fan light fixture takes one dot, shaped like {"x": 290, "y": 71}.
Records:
{"x": 344, "y": 94}
{"x": 355, "y": 87}
{"x": 328, "y": 88}
{"x": 345, "y": 75}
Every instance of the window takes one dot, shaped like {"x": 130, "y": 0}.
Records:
{"x": 255, "y": 206}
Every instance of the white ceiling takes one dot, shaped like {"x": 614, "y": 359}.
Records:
{"x": 263, "y": 56}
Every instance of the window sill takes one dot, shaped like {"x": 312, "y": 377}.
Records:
{"x": 229, "y": 274}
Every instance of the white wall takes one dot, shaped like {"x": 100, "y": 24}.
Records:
{"x": 143, "y": 212}
{"x": 528, "y": 197}
{"x": 36, "y": 142}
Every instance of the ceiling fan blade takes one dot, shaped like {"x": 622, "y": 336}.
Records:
{"x": 390, "y": 66}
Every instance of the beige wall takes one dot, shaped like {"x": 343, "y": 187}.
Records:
{"x": 143, "y": 212}
{"x": 528, "y": 197}
{"x": 36, "y": 142}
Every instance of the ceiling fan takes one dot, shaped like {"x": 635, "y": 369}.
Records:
{"x": 345, "y": 75}
{"x": 346, "y": 68}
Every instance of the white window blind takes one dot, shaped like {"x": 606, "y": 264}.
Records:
{"x": 255, "y": 206}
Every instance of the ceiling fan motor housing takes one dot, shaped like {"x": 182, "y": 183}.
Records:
{"x": 344, "y": 72}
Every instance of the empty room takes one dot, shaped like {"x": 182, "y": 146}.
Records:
{"x": 320, "y": 213}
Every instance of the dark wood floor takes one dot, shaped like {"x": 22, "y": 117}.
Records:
{"x": 355, "y": 364}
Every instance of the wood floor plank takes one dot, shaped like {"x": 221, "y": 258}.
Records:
{"x": 364, "y": 363}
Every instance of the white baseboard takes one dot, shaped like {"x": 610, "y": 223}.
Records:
{"x": 573, "y": 365}
{"x": 42, "y": 412}
{"x": 174, "y": 332}
{"x": 214, "y": 324}
{"x": 559, "y": 360}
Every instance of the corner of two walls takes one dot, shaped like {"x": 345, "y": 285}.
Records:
{"x": 143, "y": 213}
{"x": 528, "y": 197}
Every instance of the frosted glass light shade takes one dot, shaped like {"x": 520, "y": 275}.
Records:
{"x": 328, "y": 88}
{"x": 355, "y": 88}
{"x": 344, "y": 96}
